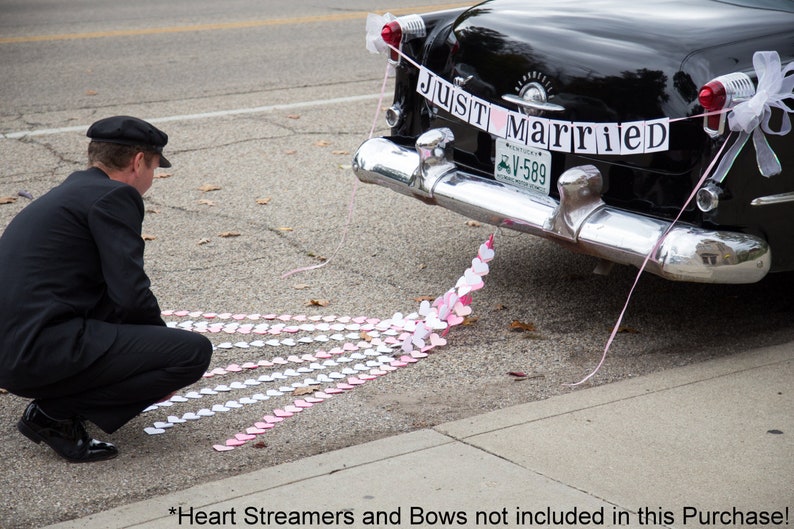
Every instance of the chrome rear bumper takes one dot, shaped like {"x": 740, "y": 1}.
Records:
{"x": 580, "y": 220}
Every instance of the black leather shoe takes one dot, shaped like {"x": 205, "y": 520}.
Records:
{"x": 67, "y": 437}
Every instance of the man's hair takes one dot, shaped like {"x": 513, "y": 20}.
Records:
{"x": 116, "y": 156}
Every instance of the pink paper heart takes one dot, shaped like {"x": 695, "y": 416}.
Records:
{"x": 233, "y": 368}
{"x": 281, "y": 413}
{"x": 462, "y": 310}
{"x": 222, "y": 448}
{"x": 264, "y": 425}
{"x": 244, "y": 436}
{"x": 334, "y": 391}
{"x": 354, "y": 381}
{"x": 304, "y": 403}
{"x": 408, "y": 360}
{"x": 366, "y": 377}
{"x": 418, "y": 354}
{"x": 349, "y": 347}
{"x": 312, "y": 400}
{"x": 454, "y": 319}
{"x": 253, "y": 430}
{"x": 437, "y": 341}
{"x": 234, "y": 442}
{"x": 280, "y": 361}
{"x": 271, "y": 419}
{"x": 292, "y": 409}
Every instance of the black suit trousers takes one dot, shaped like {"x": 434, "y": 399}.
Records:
{"x": 144, "y": 364}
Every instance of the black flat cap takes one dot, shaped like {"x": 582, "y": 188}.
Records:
{"x": 127, "y": 130}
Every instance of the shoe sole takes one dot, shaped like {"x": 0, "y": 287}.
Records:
{"x": 31, "y": 434}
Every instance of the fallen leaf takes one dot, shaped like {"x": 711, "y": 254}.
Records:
{"x": 163, "y": 175}
{"x": 284, "y": 228}
{"x": 517, "y": 374}
{"x": 209, "y": 187}
{"x": 520, "y": 326}
{"x": 263, "y": 201}
{"x": 147, "y": 237}
{"x": 205, "y": 202}
{"x": 259, "y": 444}
{"x": 294, "y": 116}
{"x": 8, "y": 200}
{"x": 627, "y": 330}
{"x": 306, "y": 390}
{"x": 300, "y": 286}
{"x": 203, "y": 241}
{"x": 469, "y": 320}
{"x": 290, "y": 151}
{"x": 499, "y": 306}
{"x": 227, "y": 234}
{"x": 364, "y": 335}
{"x": 317, "y": 303}
{"x": 322, "y": 143}
{"x": 473, "y": 224}
{"x": 91, "y": 92}
{"x": 340, "y": 152}
{"x": 153, "y": 211}
{"x": 424, "y": 298}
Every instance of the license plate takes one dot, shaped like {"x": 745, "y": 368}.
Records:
{"x": 522, "y": 166}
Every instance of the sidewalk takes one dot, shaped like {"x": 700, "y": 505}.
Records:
{"x": 707, "y": 445}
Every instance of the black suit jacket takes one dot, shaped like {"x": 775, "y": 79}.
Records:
{"x": 71, "y": 268}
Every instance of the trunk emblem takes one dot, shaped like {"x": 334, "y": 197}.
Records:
{"x": 533, "y": 95}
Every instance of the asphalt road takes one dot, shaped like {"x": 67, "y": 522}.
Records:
{"x": 268, "y": 100}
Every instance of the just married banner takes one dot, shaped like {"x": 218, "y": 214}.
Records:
{"x": 635, "y": 137}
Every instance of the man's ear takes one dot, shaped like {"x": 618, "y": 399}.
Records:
{"x": 138, "y": 162}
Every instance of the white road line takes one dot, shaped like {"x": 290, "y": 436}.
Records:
{"x": 203, "y": 115}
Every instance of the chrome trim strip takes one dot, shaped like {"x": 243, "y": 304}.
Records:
{"x": 590, "y": 227}
{"x": 782, "y": 198}
{"x": 544, "y": 106}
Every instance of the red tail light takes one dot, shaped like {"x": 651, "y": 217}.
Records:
{"x": 392, "y": 35}
{"x": 721, "y": 93}
{"x": 712, "y": 98}
{"x": 402, "y": 29}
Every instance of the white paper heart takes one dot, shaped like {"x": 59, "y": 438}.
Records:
{"x": 153, "y": 431}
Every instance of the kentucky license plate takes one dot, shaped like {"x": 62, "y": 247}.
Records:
{"x": 522, "y": 166}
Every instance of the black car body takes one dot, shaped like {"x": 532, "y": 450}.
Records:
{"x": 512, "y": 112}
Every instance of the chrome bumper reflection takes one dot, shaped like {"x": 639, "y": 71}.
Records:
{"x": 580, "y": 220}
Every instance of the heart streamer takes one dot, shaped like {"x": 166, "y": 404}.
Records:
{"x": 371, "y": 348}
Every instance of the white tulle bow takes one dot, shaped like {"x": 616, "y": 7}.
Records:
{"x": 751, "y": 117}
{"x": 375, "y": 23}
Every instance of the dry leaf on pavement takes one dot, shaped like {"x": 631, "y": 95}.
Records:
{"x": 209, "y": 187}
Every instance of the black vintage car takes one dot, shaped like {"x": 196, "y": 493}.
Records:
{"x": 597, "y": 124}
